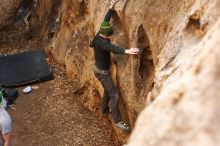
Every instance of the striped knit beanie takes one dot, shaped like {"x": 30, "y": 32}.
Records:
{"x": 106, "y": 29}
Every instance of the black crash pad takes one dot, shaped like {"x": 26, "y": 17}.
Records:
{"x": 24, "y": 68}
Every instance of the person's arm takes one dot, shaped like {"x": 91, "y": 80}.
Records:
{"x": 110, "y": 12}
{"x": 107, "y": 46}
{"x": 7, "y": 138}
{"x": 108, "y": 15}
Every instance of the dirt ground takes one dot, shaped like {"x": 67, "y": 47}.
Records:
{"x": 52, "y": 115}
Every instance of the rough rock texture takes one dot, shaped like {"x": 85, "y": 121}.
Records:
{"x": 175, "y": 79}
{"x": 168, "y": 34}
{"x": 78, "y": 22}
{"x": 185, "y": 111}
{"x": 8, "y": 9}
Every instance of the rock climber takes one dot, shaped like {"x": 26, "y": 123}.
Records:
{"x": 5, "y": 123}
{"x": 102, "y": 49}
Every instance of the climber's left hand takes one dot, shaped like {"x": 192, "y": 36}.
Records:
{"x": 112, "y": 4}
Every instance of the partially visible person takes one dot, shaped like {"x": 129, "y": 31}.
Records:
{"x": 5, "y": 123}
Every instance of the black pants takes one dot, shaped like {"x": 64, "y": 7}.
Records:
{"x": 110, "y": 93}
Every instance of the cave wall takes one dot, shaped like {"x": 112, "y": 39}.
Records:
{"x": 174, "y": 37}
{"x": 8, "y": 9}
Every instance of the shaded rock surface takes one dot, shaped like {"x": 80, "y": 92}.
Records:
{"x": 8, "y": 9}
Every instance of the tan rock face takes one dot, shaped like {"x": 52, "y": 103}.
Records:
{"x": 175, "y": 78}
{"x": 169, "y": 34}
{"x": 79, "y": 22}
{"x": 187, "y": 79}
{"x": 186, "y": 111}
{"x": 8, "y": 10}
{"x": 136, "y": 24}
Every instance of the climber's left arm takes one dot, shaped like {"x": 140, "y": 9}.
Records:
{"x": 110, "y": 12}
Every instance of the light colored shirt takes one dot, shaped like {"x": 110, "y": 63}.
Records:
{"x": 5, "y": 121}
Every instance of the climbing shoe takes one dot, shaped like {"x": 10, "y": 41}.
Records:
{"x": 123, "y": 126}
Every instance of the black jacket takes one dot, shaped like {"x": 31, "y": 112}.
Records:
{"x": 103, "y": 48}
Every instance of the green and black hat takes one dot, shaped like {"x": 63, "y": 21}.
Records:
{"x": 106, "y": 29}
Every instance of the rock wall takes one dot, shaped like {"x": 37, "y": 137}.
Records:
{"x": 171, "y": 35}
{"x": 8, "y": 9}
{"x": 136, "y": 24}
{"x": 185, "y": 110}
{"x": 174, "y": 81}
